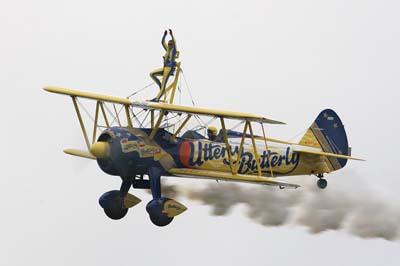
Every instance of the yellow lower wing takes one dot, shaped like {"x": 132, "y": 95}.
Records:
{"x": 186, "y": 172}
{"x": 80, "y": 153}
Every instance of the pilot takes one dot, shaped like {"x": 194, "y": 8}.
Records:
{"x": 212, "y": 133}
{"x": 169, "y": 65}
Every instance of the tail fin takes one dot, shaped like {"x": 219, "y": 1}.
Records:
{"x": 327, "y": 132}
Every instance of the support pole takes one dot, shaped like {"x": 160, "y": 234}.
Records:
{"x": 178, "y": 70}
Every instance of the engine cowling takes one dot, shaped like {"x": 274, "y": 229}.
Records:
{"x": 120, "y": 152}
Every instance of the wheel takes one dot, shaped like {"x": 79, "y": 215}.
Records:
{"x": 115, "y": 213}
{"x": 155, "y": 210}
{"x": 160, "y": 221}
{"x": 112, "y": 204}
{"x": 322, "y": 183}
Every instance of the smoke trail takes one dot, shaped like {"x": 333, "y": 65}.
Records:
{"x": 351, "y": 208}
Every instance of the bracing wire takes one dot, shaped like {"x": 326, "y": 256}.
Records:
{"x": 111, "y": 114}
{"x": 298, "y": 134}
{"x": 85, "y": 110}
{"x": 144, "y": 119}
{"x": 140, "y": 90}
{"x": 237, "y": 125}
{"x": 186, "y": 83}
{"x": 131, "y": 112}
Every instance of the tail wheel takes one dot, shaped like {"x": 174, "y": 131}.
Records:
{"x": 322, "y": 183}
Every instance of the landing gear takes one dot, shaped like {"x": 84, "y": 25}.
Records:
{"x": 114, "y": 202}
{"x": 160, "y": 209}
{"x": 322, "y": 183}
{"x": 157, "y": 216}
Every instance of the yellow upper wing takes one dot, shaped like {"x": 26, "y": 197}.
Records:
{"x": 164, "y": 106}
{"x": 88, "y": 95}
{"x": 204, "y": 111}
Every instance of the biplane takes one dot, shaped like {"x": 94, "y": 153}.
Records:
{"x": 141, "y": 151}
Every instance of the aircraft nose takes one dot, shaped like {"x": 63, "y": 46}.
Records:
{"x": 100, "y": 149}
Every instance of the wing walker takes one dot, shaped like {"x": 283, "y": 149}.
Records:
{"x": 141, "y": 141}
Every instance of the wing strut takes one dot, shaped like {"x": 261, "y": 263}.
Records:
{"x": 255, "y": 149}
{"x": 181, "y": 127}
{"x": 228, "y": 148}
{"x": 266, "y": 147}
{"x": 96, "y": 118}
{"x": 155, "y": 128}
{"x": 78, "y": 113}
{"x": 241, "y": 148}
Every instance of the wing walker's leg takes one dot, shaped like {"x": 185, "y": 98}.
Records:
{"x": 155, "y": 73}
{"x": 166, "y": 74}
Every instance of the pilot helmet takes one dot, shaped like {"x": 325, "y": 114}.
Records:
{"x": 212, "y": 130}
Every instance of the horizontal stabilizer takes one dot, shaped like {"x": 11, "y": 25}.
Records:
{"x": 187, "y": 172}
{"x": 80, "y": 153}
{"x": 328, "y": 154}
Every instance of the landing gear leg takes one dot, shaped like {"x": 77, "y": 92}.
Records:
{"x": 322, "y": 183}
{"x": 155, "y": 182}
{"x": 113, "y": 201}
{"x": 155, "y": 206}
{"x": 125, "y": 186}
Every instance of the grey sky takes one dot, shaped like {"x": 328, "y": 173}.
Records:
{"x": 284, "y": 59}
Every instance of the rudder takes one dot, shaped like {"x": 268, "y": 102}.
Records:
{"x": 327, "y": 132}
